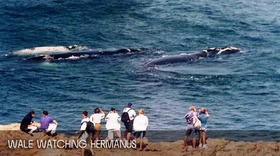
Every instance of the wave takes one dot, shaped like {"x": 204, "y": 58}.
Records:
{"x": 50, "y": 50}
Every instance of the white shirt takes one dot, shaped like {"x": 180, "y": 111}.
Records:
{"x": 96, "y": 117}
{"x": 113, "y": 121}
{"x": 131, "y": 113}
{"x": 140, "y": 123}
{"x": 84, "y": 124}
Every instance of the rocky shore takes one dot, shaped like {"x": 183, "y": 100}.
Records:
{"x": 216, "y": 147}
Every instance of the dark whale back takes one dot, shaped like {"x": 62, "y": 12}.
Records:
{"x": 211, "y": 52}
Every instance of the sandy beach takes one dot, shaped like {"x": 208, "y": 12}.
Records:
{"x": 216, "y": 147}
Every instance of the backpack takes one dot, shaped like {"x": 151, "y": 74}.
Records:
{"x": 90, "y": 127}
{"x": 125, "y": 116}
{"x": 196, "y": 122}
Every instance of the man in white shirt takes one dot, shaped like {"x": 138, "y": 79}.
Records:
{"x": 113, "y": 124}
{"x": 129, "y": 125}
{"x": 83, "y": 138}
{"x": 140, "y": 125}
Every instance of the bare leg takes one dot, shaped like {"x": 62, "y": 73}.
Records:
{"x": 128, "y": 136}
{"x": 125, "y": 134}
{"x": 203, "y": 137}
{"x": 141, "y": 144}
{"x": 200, "y": 139}
{"x": 141, "y": 141}
{"x": 97, "y": 134}
{"x": 194, "y": 142}
{"x": 83, "y": 152}
{"x": 185, "y": 141}
{"x": 92, "y": 136}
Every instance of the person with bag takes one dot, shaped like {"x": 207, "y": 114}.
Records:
{"x": 196, "y": 123}
{"x": 190, "y": 130}
{"x": 85, "y": 131}
{"x": 127, "y": 118}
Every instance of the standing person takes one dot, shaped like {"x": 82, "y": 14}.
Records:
{"x": 48, "y": 125}
{"x": 140, "y": 125}
{"x": 84, "y": 135}
{"x": 113, "y": 124}
{"x": 203, "y": 116}
{"x": 190, "y": 128}
{"x": 96, "y": 120}
{"x": 27, "y": 125}
{"x": 128, "y": 122}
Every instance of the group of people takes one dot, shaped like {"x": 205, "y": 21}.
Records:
{"x": 138, "y": 123}
{"x": 196, "y": 123}
{"x": 131, "y": 120}
{"x": 47, "y": 124}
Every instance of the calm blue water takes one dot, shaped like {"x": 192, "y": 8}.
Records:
{"x": 240, "y": 91}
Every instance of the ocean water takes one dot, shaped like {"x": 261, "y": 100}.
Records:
{"x": 240, "y": 91}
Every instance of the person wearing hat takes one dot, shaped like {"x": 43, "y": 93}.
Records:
{"x": 129, "y": 125}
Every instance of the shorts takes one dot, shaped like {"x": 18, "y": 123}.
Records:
{"x": 97, "y": 127}
{"x": 129, "y": 126}
{"x": 138, "y": 134}
{"x": 84, "y": 137}
{"x": 112, "y": 133}
{"x": 190, "y": 130}
{"x": 203, "y": 129}
{"x": 52, "y": 128}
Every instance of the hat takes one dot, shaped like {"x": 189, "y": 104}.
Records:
{"x": 129, "y": 104}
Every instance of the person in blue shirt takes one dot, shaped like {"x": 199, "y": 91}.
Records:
{"x": 203, "y": 116}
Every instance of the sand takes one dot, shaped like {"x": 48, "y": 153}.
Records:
{"x": 216, "y": 147}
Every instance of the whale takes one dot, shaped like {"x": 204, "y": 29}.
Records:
{"x": 211, "y": 52}
{"x": 82, "y": 54}
{"x": 49, "y": 50}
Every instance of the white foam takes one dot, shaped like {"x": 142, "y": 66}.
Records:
{"x": 49, "y": 50}
{"x": 73, "y": 57}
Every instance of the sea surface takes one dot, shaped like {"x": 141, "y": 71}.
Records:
{"x": 240, "y": 91}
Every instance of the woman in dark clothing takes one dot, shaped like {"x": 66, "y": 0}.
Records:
{"x": 26, "y": 122}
